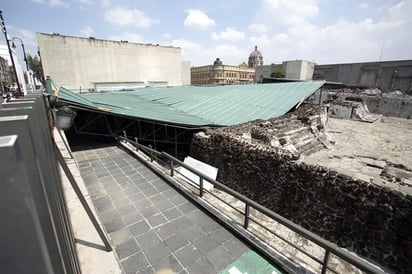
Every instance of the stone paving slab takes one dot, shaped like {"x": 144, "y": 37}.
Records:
{"x": 151, "y": 225}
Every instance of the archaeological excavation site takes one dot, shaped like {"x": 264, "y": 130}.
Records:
{"x": 336, "y": 169}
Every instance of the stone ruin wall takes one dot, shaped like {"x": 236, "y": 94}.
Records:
{"x": 395, "y": 104}
{"x": 373, "y": 221}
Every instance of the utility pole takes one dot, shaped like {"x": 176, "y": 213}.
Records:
{"x": 22, "y": 46}
{"x": 3, "y": 29}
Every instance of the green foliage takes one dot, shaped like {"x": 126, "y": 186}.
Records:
{"x": 36, "y": 66}
{"x": 277, "y": 73}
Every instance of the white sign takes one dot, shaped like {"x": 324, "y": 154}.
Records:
{"x": 204, "y": 168}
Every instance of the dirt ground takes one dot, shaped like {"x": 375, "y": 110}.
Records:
{"x": 379, "y": 152}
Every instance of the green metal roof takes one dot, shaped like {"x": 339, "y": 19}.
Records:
{"x": 200, "y": 106}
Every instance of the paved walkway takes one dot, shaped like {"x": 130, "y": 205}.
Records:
{"x": 93, "y": 258}
{"x": 152, "y": 226}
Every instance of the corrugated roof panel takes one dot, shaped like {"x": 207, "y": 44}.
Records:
{"x": 202, "y": 106}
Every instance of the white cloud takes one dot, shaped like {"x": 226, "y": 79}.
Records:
{"x": 258, "y": 28}
{"x": 86, "y": 31}
{"x": 345, "y": 40}
{"x": 52, "y": 3}
{"x": 166, "y": 35}
{"x": 83, "y": 4}
{"x": 198, "y": 19}
{"x": 231, "y": 34}
{"x": 187, "y": 45}
{"x": 123, "y": 17}
{"x": 281, "y": 38}
{"x": 58, "y": 3}
{"x": 86, "y": 2}
{"x": 280, "y": 13}
{"x": 105, "y": 3}
{"x": 229, "y": 54}
{"x": 261, "y": 40}
{"x": 363, "y": 6}
{"x": 128, "y": 36}
{"x": 200, "y": 55}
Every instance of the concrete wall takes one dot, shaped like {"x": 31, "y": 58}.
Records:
{"x": 292, "y": 69}
{"x": 390, "y": 106}
{"x": 186, "y": 80}
{"x": 299, "y": 69}
{"x": 371, "y": 220}
{"x": 76, "y": 63}
{"x": 388, "y": 75}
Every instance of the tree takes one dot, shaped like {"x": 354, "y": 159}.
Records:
{"x": 277, "y": 73}
{"x": 36, "y": 66}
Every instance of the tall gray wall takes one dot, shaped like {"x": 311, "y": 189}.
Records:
{"x": 75, "y": 62}
{"x": 388, "y": 75}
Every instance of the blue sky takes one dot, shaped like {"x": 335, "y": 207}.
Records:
{"x": 322, "y": 31}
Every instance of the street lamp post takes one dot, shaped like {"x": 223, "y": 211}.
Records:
{"x": 22, "y": 46}
{"x": 3, "y": 29}
{"x": 24, "y": 54}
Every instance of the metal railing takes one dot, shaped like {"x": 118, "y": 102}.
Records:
{"x": 36, "y": 233}
{"x": 329, "y": 248}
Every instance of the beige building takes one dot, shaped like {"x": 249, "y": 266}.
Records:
{"x": 86, "y": 64}
{"x": 218, "y": 73}
{"x": 222, "y": 74}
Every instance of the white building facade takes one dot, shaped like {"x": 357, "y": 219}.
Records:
{"x": 4, "y": 52}
{"x": 90, "y": 64}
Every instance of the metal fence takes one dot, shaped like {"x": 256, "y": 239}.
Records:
{"x": 171, "y": 163}
{"x": 36, "y": 233}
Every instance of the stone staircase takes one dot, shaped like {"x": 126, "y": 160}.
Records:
{"x": 303, "y": 138}
{"x": 293, "y": 135}
{"x": 298, "y": 135}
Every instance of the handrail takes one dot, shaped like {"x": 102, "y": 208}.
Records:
{"x": 362, "y": 265}
{"x": 137, "y": 145}
{"x": 328, "y": 246}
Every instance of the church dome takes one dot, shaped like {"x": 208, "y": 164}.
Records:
{"x": 255, "y": 58}
{"x": 255, "y": 53}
